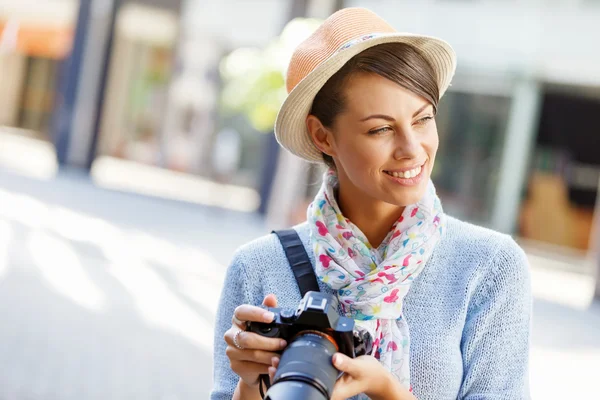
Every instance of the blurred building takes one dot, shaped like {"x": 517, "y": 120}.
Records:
{"x": 35, "y": 41}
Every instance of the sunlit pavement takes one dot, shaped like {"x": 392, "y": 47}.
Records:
{"x": 565, "y": 357}
{"x": 105, "y": 295}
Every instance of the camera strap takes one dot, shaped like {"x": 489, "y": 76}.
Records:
{"x": 299, "y": 261}
{"x": 303, "y": 272}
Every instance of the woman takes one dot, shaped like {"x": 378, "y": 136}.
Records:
{"x": 447, "y": 303}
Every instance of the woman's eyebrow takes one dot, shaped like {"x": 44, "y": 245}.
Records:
{"x": 421, "y": 109}
{"x": 378, "y": 116}
{"x": 391, "y": 119}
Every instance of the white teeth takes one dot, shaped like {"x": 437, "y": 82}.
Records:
{"x": 407, "y": 174}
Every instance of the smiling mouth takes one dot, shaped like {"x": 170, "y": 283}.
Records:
{"x": 406, "y": 174}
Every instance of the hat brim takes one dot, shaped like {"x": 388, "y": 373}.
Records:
{"x": 290, "y": 126}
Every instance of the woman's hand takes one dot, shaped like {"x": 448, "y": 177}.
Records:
{"x": 366, "y": 375}
{"x": 257, "y": 352}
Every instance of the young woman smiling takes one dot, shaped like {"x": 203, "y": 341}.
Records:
{"x": 446, "y": 303}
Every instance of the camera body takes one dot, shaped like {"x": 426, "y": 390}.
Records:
{"x": 317, "y": 313}
{"x": 314, "y": 333}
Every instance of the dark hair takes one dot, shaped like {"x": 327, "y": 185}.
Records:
{"x": 398, "y": 62}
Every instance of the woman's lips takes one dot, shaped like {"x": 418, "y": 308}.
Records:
{"x": 407, "y": 178}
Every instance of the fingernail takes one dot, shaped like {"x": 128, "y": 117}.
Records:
{"x": 337, "y": 360}
{"x": 282, "y": 344}
{"x": 268, "y": 316}
{"x": 274, "y": 360}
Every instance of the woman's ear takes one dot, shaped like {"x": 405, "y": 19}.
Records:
{"x": 321, "y": 136}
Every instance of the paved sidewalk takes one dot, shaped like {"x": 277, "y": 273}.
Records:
{"x": 106, "y": 295}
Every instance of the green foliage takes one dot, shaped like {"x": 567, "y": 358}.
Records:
{"x": 254, "y": 79}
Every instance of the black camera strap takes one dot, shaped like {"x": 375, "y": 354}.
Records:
{"x": 299, "y": 261}
{"x": 303, "y": 272}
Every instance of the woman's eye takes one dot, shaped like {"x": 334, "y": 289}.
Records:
{"x": 424, "y": 120}
{"x": 380, "y": 130}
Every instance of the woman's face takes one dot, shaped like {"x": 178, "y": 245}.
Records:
{"x": 384, "y": 143}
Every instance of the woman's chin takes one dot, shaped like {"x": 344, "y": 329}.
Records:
{"x": 403, "y": 197}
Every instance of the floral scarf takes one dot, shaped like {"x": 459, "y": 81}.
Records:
{"x": 371, "y": 283}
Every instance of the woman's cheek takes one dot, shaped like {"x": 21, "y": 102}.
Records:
{"x": 354, "y": 155}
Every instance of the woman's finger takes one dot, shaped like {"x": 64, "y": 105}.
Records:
{"x": 253, "y": 341}
{"x": 345, "y": 388}
{"x": 248, "y": 370}
{"x": 275, "y": 361}
{"x": 257, "y": 356}
{"x": 346, "y": 364}
{"x": 270, "y": 300}
{"x": 273, "y": 367}
{"x": 246, "y": 312}
{"x": 241, "y": 325}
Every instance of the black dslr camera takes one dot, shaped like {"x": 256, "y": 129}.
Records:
{"x": 314, "y": 332}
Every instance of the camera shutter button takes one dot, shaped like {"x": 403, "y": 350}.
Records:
{"x": 286, "y": 315}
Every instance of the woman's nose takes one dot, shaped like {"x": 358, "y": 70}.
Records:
{"x": 406, "y": 145}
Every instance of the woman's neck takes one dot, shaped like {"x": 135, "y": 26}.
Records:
{"x": 373, "y": 217}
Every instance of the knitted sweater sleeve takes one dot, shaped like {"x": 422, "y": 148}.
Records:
{"x": 236, "y": 291}
{"x": 496, "y": 336}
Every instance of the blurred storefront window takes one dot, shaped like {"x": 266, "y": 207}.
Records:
{"x": 471, "y": 128}
{"x": 168, "y": 98}
{"x": 558, "y": 207}
{"x": 184, "y": 95}
{"x": 139, "y": 76}
{"x": 35, "y": 39}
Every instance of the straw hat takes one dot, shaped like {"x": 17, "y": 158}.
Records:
{"x": 342, "y": 36}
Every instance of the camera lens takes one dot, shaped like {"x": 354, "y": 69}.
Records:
{"x": 294, "y": 391}
{"x": 305, "y": 370}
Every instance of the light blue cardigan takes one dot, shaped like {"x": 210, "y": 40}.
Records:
{"x": 469, "y": 313}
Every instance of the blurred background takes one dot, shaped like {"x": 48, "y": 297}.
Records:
{"x": 136, "y": 153}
